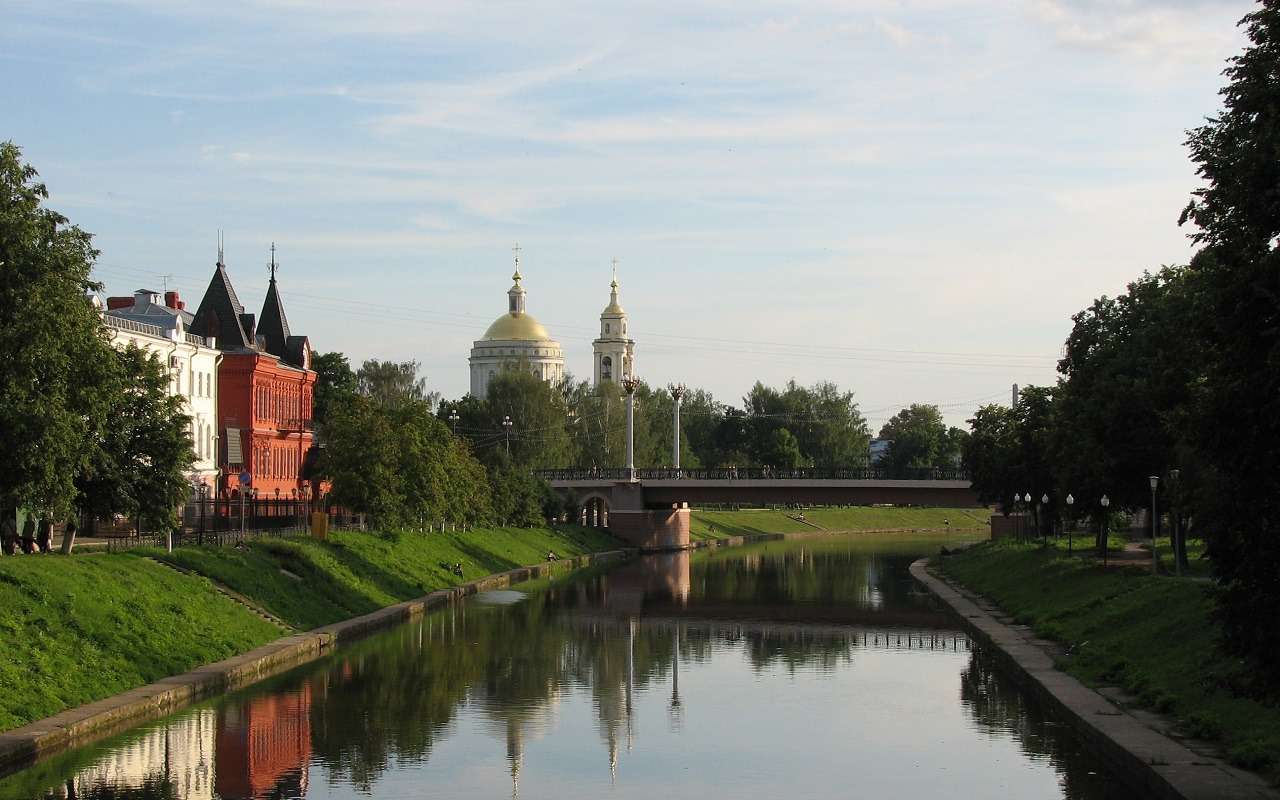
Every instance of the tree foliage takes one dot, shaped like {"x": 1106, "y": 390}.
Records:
{"x": 394, "y": 383}
{"x": 336, "y": 383}
{"x": 919, "y": 439}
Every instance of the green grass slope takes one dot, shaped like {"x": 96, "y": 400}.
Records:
{"x": 721, "y": 524}
{"x": 1153, "y": 636}
{"x": 354, "y": 573}
{"x": 75, "y": 630}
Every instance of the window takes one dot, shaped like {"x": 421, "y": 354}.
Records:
{"x": 606, "y": 328}
{"x": 606, "y": 369}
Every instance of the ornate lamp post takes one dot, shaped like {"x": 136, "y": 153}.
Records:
{"x": 1044, "y": 504}
{"x": 1155, "y": 558}
{"x": 506, "y": 433}
{"x": 1070, "y": 502}
{"x": 453, "y": 419}
{"x": 1175, "y": 523}
{"x": 1026, "y": 498}
{"x": 677, "y": 394}
{"x": 629, "y": 384}
{"x": 1106, "y": 504}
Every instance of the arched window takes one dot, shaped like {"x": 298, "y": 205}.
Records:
{"x": 606, "y": 369}
{"x": 606, "y": 329}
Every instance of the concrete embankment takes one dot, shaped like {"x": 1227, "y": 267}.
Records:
{"x": 1145, "y": 758}
{"x": 21, "y": 747}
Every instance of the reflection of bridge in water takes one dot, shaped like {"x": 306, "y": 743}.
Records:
{"x": 649, "y": 507}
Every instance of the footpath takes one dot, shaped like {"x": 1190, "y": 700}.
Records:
{"x": 1144, "y": 757}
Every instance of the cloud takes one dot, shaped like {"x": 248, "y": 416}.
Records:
{"x": 1170, "y": 31}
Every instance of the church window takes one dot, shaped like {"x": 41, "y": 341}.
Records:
{"x": 606, "y": 369}
{"x": 624, "y": 327}
{"x": 606, "y": 329}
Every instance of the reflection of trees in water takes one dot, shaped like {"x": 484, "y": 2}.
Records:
{"x": 156, "y": 787}
{"x": 788, "y": 575}
{"x": 998, "y": 707}
{"x": 797, "y": 651}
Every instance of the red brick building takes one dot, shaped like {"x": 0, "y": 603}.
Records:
{"x": 265, "y": 386}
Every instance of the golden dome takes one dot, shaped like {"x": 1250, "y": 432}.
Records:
{"x": 516, "y": 327}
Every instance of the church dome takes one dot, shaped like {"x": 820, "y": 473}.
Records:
{"x": 516, "y": 327}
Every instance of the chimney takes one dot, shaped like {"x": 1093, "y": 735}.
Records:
{"x": 119, "y": 302}
{"x": 172, "y": 300}
{"x": 248, "y": 323}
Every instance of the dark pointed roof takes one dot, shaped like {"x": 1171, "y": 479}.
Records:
{"x": 273, "y": 325}
{"x": 219, "y": 312}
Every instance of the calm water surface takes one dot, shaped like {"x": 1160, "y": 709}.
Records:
{"x": 794, "y": 670}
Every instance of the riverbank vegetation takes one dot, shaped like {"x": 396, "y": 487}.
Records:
{"x": 1154, "y": 637}
{"x": 705, "y": 524}
{"x": 1175, "y": 380}
{"x": 79, "y": 629}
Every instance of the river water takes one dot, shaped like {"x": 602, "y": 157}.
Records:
{"x": 803, "y": 669}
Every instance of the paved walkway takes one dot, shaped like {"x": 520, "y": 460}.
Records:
{"x": 1134, "y": 743}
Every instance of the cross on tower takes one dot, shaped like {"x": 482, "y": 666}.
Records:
{"x": 273, "y": 264}
{"x": 615, "y": 269}
{"x": 516, "y": 250}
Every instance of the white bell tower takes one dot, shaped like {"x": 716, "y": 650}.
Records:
{"x": 615, "y": 349}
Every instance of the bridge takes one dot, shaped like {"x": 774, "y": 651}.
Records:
{"x": 649, "y": 507}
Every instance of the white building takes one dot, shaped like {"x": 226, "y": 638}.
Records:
{"x": 614, "y": 351}
{"x": 513, "y": 338}
{"x": 158, "y": 323}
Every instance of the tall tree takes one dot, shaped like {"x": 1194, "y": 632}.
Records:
{"x": 394, "y": 383}
{"x": 55, "y": 376}
{"x": 1237, "y": 213}
{"x": 990, "y": 454}
{"x": 918, "y": 439}
{"x": 336, "y": 383}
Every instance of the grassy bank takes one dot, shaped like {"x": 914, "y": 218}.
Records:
{"x": 1152, "y": 636}
{"x": 308, "y": 583}
{"x": 720, "y": 524}
{"x": 74, "y": 630}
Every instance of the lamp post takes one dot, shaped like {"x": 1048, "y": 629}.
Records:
{"x": 629, "y": 384}
{"x": 1179, "y": 542}
{"x": 1044, "y": 504}
{"x": 1155, "y": 558}
{"x": 677, "y": 394}
{"x": 1070, "y": 502}
{"x": 453, "y": 420}
{"x": 1026, "y": 498}
{"x": 1106, "y": 504}
{"x": 506, "y": 433}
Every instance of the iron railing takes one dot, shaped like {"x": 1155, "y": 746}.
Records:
{"x": 123, "y": 324}
{"x": 224, "y": 522}
{"x": 756, "y": 474}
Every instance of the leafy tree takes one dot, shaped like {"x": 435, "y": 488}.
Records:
{"x": 55, "y": 375}
{"x": 538, "y": 438}
{"x": 1034, "y": 438}
{"x": 394, "y": 383}
{"x": 1237, "y": 213}
{"x": 990, "y": 454}
{"x": 139, "y": 468}
{"x": 336, "y": 383}
{"x": 918, "y": 439}
{"x": 783, "y": 451}
{"x": 825, "y": 422}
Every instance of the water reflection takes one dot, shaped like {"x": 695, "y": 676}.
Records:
{"x": 658, "y": 675}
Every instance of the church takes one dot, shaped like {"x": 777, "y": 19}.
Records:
{"x": 517, "y": 337}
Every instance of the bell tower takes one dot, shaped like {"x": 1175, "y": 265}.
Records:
{"x": 614, "y": 350}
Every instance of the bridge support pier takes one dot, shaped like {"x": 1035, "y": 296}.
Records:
{"x": 652, "y": 529}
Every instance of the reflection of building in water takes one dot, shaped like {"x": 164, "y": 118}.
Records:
{"x": 675, "y": 712}
{"x": 180, "y": 752}
{"x": 518, "y": 722}
{"x": 264, "y": 746}
{"x": 872, "y": 595}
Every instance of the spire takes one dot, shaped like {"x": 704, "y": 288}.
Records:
{"x": 273, "y": 325}
{"x": 516, "y": 294}
{"x": 516, "y": 250}
{"x": 273, "y": 264}
{"x": 220, "y": 261}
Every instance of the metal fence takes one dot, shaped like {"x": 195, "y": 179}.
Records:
{"x": 757, "y": 473}
{"x": 224, "y": 522}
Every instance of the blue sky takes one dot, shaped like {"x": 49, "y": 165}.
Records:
{"x": 907, "y": 197}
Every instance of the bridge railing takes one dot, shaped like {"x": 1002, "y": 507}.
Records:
{"x": 756, "y": 474}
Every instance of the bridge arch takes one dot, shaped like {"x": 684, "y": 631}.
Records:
{"x": 593, "y": 509}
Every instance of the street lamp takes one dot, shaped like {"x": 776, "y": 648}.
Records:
{"x": 1155, "y": 559}
{"x": 1044, "y": 503}
{"x": 1106, "y": 504}
{"x": 1070, "y": 502}
{"x": 1175, "y": 523}
{"x": 1026, "y": 498}
{"x": 506, "y": 433}
{"x": 453, "y": 419}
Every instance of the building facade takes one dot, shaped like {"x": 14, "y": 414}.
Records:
{"x": 515, "y": 338}
{"x": 161, "y": 325}
{"x": 265, "y": 393}
{"x": 614, "y": 352}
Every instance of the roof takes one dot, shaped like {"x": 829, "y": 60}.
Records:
{"x": 220, "y": 311}
{"x": 273, "y": 325}
{"x": 517, "y": 327}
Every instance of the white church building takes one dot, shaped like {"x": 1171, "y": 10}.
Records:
{"x": 517, "y": 337}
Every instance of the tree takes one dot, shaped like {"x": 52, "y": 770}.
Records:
{"x": 1237, "y": 214}
{"x": 55, "y": 376}
{"x": 140, "y": 467}
{"x": 990, "y": 454}
{"x": 918, "y": 439}
{"x": 392, "y": 383}
{"x": 336, "y": 383}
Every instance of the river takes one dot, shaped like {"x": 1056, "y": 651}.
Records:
{"x": 801, "y": 669}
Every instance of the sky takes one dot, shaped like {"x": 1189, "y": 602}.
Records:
{"x": 908, "y": 198}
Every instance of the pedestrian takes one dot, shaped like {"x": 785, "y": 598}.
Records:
{"x": 9, "y": 532}
{"x": 29, "y": 535}
{"x": 44, "y": 537}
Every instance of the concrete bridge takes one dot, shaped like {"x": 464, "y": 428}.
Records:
{"x": 649, "y": 508}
